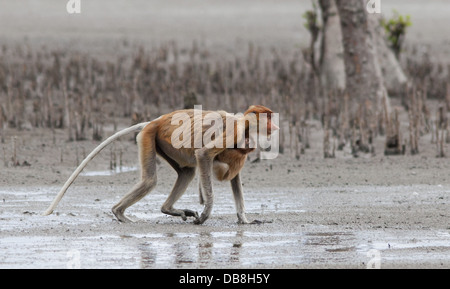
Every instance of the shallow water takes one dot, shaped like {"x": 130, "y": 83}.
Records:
{"x": 82, "y": 233}
{"x": 112, "y": 172}
{"x": 215, "y": 249}
{"x": 237, "y": 249}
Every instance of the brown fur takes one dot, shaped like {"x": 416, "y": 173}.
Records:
{"x": 155, "y": 139}
{"x": 224, "y": 163}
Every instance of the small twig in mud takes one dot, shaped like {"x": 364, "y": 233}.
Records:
{"x": 447, "y": 134}
{"x": 294, "y": 141}
{"x": 14, "y": 156}
{"x": 413, "y": 123}
{"x": 77, "y": 160}
{"x": 440, "y": 143}
{"x": 326, "y": 143}
{"x": 97, "y": 132}
{"x": 112, "y": 161}
{"x": 393, "y": 144}
{"x": 3, "y": 120}
{"x": 120, "y": 159}
{"x": 282, "y": 140}
{"x": 328, "y": 149}
{"x": 4, "y": 157}
{"x": 67, "y": 110}
{"x": 305, "y": 134}
{"x": 447, "y": 96}
{"x": 441, "y": 132}
{"x": 53, "y": 134}
{"x": 298, "y": 144}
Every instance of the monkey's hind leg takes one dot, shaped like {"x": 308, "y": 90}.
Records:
{"x": 147, "y": 157}
{"x": 185, "y": 176}
{"x": 138, "y": 192}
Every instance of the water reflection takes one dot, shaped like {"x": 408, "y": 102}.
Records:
{"x": 148, "y": 255}
{"x": 203, "y": 250}
{"x": 240, "y": 248}
{"x": 111, "y": 172}
{"x": 183, "y": 254}
{"x": 236, "y": 249}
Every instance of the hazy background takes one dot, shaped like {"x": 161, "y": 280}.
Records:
{"x": 218, "y": 24}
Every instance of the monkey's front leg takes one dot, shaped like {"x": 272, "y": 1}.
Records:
{"x": 204, "y": 163}
{"x": 238, "y": 195}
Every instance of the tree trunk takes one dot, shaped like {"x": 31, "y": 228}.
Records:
{"x": 331, "y": 62}
{"x": 364, "y": 81}
{"x": 393, "y": 75}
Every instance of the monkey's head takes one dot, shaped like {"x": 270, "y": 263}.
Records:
{"x": 259, "y": 114}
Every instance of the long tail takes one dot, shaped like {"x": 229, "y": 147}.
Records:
{"x": 74, "y": 175}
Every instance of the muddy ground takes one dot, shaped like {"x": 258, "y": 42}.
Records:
{"x": 346, "y": 212}
{"x": 316, "y": 213}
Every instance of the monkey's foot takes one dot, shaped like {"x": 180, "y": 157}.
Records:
{"x": 200, "y": 220}
{"x": 188, "y": 213}
{"x": 121, "y": 217}
{"x": 242, "y": 219}
{"x": 124, "y": 219}
{"x": 258, "y": 222}
{"x": 181, "y": 213}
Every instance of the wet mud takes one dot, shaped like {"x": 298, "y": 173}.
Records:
{"x": 298, "y": 230}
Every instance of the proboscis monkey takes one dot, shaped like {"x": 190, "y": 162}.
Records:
{"x": 201, "y": 141}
